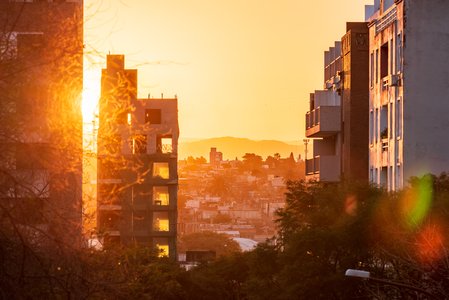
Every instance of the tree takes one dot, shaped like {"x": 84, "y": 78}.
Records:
{"x": 252, "y": 163}
{"x": 208, "y": 240}
{"x": 41, "y": 64}
{"x": 324, "y": 229}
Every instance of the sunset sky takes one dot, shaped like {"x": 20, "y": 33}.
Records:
{"x": 240, "y": 68}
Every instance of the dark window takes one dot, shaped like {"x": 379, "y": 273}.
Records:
{"x": 384, "y": 60}
{"x": 153, "y": 116}
{"x": 140, "y": 222}
{"x": 109, "y": 220}
{"x": 110, "y": 194}
{"x": 139, "y": 145}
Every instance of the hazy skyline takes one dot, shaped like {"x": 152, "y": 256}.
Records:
{"x": 239, "y": 68}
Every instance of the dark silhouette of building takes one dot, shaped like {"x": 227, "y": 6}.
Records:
{"x": 215, "y": 157}
{"x": 137, "y": 163}
{"x": 41, "y": 77}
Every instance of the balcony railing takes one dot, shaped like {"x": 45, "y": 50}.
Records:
{"x": 324, "y": 167}
{"x": 323, "y": 121}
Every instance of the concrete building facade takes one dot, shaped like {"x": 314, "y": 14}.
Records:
{"x": 408, "y": 81}
{"x": 323, "y": 122}
{"x": 137, "y": 163}
{"x": 337, "y": 121}
{"x": 41, "y": 77}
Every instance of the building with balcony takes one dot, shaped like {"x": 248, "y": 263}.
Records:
{"x": 337, "y": 121}
{"x": 41, "y": 78}
{"x": 408, "y": 81}
{"x": 323, "y": 123}
{"x": 137, "y": 163}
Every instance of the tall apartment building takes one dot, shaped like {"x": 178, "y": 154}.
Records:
{"x": 323, "y": 122}
{"x": 337, "y": 120}
{"x": 137, "y": 163}
{"x": 41, "y": 77}
{"x": 408, "y": 79}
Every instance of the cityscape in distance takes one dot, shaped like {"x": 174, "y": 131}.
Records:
{"x": 233, "y": 147}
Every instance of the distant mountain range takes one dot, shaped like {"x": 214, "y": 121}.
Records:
{"x": 232, "y": 147}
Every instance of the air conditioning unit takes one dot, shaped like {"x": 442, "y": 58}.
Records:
{"x": 392, "y": 80}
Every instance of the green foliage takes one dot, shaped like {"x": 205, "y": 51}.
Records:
{"x": 325, "y": 229}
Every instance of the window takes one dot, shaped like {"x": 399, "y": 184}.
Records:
{"x": 160, "y": 221}
{"x": 371, "y": 78}
{"x": 165, "y": 144}
{"x": 109, "y": 194}
{"x": 161, "y": 245}
{"x": 153, "y": 116}
{"x": 399, "y": 118}
{"x": 391, "y": 124}
{"x": 161, "y": 195}
{"x": 391, "y": 57}
{"x": 384, "y": 122}
{"x": 113, "y": 143}
{"x": 140, "y": 195}
{"x": 384, "y": 60}
{"x": 109, "y": 220}
{"x": 161, "y": 169}
{"x": 376, "y": 123}
{"x": 371, "y": 127}
{"x": 139, "y": 144}
{"x": 139, "y": 222}
{"x": 399, "y": 53}
{"x": 376, "y": 69}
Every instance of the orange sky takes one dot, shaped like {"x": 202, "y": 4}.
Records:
{"x": 240, "y": 68}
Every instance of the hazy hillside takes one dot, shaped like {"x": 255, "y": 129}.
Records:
{"x": 237, "y": 147}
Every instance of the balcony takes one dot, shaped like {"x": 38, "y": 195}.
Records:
{"x": 323, "y": 168}
{"x": 323, "y": 121}
{"x": 384, "y": 152}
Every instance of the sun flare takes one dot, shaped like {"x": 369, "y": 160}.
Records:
{"x": 91, "y": 95}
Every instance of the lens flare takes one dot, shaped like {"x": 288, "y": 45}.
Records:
{"x": 416, "y": 202}
{"x": 351, "y": 205}
{"x": 430, "y": 243}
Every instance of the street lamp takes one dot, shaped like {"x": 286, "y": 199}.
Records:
{"x": 367, "y": 275}
{"x": 306, "y": 141}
